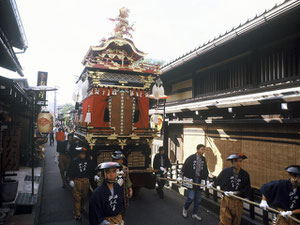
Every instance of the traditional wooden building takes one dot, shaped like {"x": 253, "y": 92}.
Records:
{"x": 14, "y": 101}
{"x": 240, "y": 92}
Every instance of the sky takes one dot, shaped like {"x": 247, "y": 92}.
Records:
{"x": 59, "y": 32}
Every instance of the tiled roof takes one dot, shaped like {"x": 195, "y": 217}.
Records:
{"x": 249, "y": 25}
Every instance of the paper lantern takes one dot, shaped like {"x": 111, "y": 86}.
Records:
{"x": 45, "y": 122}
{"x": 156, "y": 122}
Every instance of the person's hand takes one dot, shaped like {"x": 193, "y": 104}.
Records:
{"x": 179, "y": 179}
{"x": 208, "y": 185}
{"x": 130, "y": 192}
{"x": 162, "y": 169}
{"x": 120, "y": 181}
{"x": 286, "y": 213}
{"x": 72, "y": 184}
{"x": 263, "y": 205}
{"x": 120, "y": 173}
{"x": 165, "y": 171}
{"x": 96, "y": 178}
{"x": 228, "y": 193}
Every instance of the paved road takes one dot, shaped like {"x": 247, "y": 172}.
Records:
{"x": 145, "y": 209}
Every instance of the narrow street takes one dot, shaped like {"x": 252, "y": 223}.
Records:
{"x": 146, "y": 208}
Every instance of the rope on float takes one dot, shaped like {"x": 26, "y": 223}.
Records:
{"x": 235, "y": 196}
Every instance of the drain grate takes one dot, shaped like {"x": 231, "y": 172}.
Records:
{"x": 29, "y": 178}
{"x": 26, "y": 199}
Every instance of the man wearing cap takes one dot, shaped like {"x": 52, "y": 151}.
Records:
{"x": 64, "y": 158}
{"x": 123, "y": 178}
{"x": 194, "y": 170}
{"x": 233, "y": 181}
{"x": 283, "y": 195}
{"x": 161, "y": 164}
{"x": 79, "y": 172}
{"x": 106, "y": 203}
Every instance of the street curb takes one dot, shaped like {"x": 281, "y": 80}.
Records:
{"x": 210, "y": 205}
{"x": 39, "y": 197}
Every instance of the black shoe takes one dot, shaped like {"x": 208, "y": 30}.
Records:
{"x": 161, "y": 195}
{"x": 82, "y": 211}
{"x": 78, "y": 218}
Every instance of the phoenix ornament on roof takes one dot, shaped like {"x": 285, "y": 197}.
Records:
{"x": 122, "y": 27}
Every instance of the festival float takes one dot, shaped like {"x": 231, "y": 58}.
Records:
{"x": 112, "y": 95}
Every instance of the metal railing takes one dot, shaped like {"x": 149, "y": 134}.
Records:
{"x": 252, "y": 211}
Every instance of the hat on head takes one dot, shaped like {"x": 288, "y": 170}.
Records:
{"x": 117, "y": 155}
{"x": 236, "y": 156}
{"x": 107, "y": 165}
{"x": 81, "y": 149}
{"x": 295, "y": 169}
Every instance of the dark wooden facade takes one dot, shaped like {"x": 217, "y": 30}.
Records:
{"x": 240, "y": 93}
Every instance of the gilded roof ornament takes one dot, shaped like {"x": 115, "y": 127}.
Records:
{"x": 122, "y": 27}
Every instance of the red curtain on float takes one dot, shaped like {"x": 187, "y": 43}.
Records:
{"x": 143, "y": 107}
{"x": 98, "y": 104}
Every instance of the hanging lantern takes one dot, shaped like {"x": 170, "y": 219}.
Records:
{"x": 156, "y": 122}
{"x": 45, "y": 122}
{"x": 158, "y": 91}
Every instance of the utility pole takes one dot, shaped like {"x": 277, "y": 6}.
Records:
{"x": 54, "y": 106}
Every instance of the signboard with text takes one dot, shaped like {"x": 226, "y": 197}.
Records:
{"x": 42, "y": 81}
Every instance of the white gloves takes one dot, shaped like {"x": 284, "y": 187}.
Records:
{"x": 286, "y": 213}
{"x": 208, "y": 184}
{"x": 120, "y": 181}
{"x": 96, "y": 178}
{"x": 228, "y": 193}
{"x": 163, "y": 170}
{"x": 179, "y": 179}
{"x": 71, "y": 183}
{"x": 120, "y": 173}
{"x": 263, "y": 205}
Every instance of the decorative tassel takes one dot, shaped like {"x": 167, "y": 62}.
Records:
{"x": 131, "y": 92}
{"x": 147, "y": 94}
{"x": 88, "y": 116}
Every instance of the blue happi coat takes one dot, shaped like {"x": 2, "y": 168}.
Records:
{"x": 104, "y": 204}
{"x": 228, "y": 182}
{"x": 280, "y": 194}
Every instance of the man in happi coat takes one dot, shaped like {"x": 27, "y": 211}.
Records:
{"x": 80, "y": 170}
{"x": 284, "y": 195}
{"x": 107, "y": 201}
{"x": 233, "y": 181}
{"x": 194, "y": 170}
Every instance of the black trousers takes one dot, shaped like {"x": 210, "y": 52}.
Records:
{"x": 161, "y": 184}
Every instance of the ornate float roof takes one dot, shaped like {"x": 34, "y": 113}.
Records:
{"x": 118, "y": 52}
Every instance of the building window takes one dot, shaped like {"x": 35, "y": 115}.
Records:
{"x": 279, "y": 63}
{"x": 231, "y": 76}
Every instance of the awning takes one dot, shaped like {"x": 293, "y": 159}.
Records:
{"x": 282, "y": 95}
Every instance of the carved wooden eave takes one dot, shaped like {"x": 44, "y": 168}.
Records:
{"x": 116, "y": 43}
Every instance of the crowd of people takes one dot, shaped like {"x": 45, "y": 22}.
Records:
{"x": 110, "y": 198}
{"x": 283, "y": 195}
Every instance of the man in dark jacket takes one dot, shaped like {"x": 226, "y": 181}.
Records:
{"x": 194, "y": 170}
{"x": 283, "y": 195}
{"x": 234, "y": 181}
{"x": 161, "y": 164}
{"x": 106, "y": 203}
{"x": 67, "y": 148}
